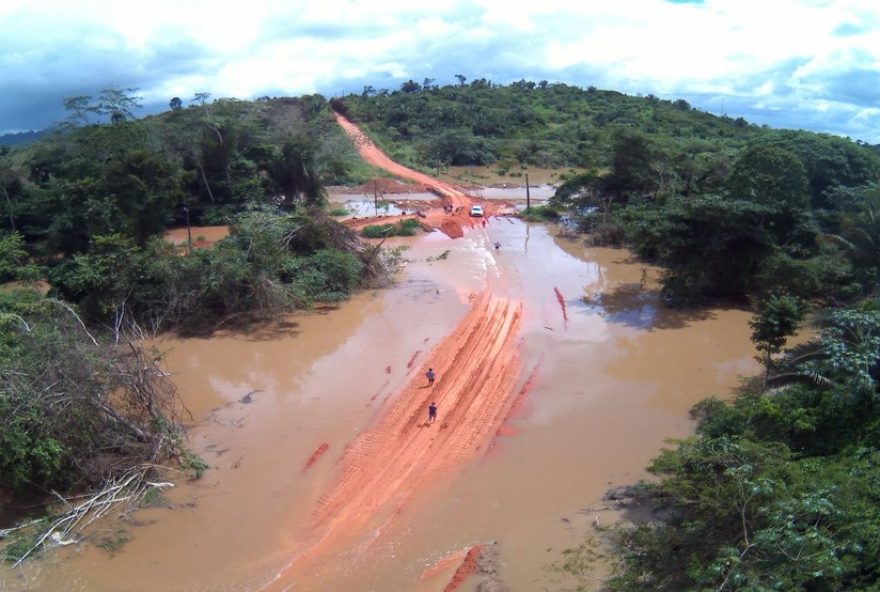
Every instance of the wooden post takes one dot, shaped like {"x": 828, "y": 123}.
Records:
{"x": 528, "y": 194}
{"x": 189, "y": 232}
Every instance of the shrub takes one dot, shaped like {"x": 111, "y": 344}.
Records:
{"x": 540, "y": 214}
{"x": 407, "y": 227}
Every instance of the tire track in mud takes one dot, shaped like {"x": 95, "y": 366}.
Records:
{"x": 477, "y": 366}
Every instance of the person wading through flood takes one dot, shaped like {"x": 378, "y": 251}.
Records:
{"x": 432, "y": 412}
{"x": 431, "y": 376}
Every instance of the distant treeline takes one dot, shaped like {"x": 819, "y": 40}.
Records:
{"x": 21, "y": 138}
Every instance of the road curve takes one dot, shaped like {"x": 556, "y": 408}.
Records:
{"x": 371, "y": 153}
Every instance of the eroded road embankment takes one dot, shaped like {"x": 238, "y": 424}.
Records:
{"x": 477, "y": 365}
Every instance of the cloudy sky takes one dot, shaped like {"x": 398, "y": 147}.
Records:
{"x": 811, "y": 64}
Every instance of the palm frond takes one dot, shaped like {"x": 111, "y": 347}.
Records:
{"x": 836, "y": 239}
{"x": 799, "y": 377}
{"x": 808, "y": 351}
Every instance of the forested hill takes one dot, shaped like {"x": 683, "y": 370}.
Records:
{"x": 552, "y": 125}
{"x": 21, "y": 138}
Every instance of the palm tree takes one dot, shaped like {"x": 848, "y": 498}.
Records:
{"x": 846, "y": 353}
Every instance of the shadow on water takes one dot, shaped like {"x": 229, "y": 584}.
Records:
{"x": 248, "y": 328}
{"x": 269, "y": 332}
{"x": 633, "y": 305}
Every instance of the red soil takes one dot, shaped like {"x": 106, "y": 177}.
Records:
{"x": 392, "y": 460}
{"x": 450, "y": 215}
{"x": 477, "y": 365}
{"x": 452, "y": 229}
{"x": 467, "y": 567}
{"x": 370, "y": 153}
{"x": 316, "y": 455}
{"x": 390, "y": 186}
{"x": 412, "y": 360}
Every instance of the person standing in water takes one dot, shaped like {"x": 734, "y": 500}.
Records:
{"x": 431, "y": 376}
{"x": 432, "y": 412}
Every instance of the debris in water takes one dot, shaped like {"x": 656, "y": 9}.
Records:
{"x": 249, "y": 397}
{"x": 561, "y": 301}
{"x": 316, "y": 455}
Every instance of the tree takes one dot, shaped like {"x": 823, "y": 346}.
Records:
{"x": 632, "y": 171}
{"x": 778, "y": 317}
{"x": 295, "y": 174}
{"x": 201, "y": 98}
{"x": 461, "y": 79}
{"x": 175, "y": 104}
{"x": 410, "y": 86}
{"x": 710, "y": 246}
{"x": 74, "y": 410}
{"x": 14, "y": 260}
{"x": 859, "y": 235}
{"x": 144, "y": 188}
{"x": 118, "y": 103}
{"x": 770, "y": 176}
{"x": 80, "y": 108}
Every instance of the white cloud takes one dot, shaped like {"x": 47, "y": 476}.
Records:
{"x": 794, "y": 58}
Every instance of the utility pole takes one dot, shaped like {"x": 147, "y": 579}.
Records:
{"x": 376, "y": 196}
{"x": 528, "y": 194}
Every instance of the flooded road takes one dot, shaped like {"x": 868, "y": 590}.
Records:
{"x": 596, "y": 375}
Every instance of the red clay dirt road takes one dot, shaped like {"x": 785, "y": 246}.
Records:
{"x": 477, "y": 365}
{"x": 370, "y": 153}
{"x": 453, "y": 197}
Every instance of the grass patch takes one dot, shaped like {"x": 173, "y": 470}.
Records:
{"x": 339, "y": 212}
{"x": 407, "y": 227}
{"x": 114, "y": 541}
{"x": 539, "y": 214}
{"x": 193, "y": 464}
{"x": 153, "y": 498}
{"x": 394, "y": 258}
{"x": 17, "y": 547}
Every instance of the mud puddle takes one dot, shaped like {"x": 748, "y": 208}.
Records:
{"x": 597, "y": 375}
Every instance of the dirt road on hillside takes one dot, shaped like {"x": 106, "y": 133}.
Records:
{"x": 370, "y": 153}
{"x": 451, "y": 216}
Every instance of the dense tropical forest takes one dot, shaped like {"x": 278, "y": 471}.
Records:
{"x": 778, "y": 489}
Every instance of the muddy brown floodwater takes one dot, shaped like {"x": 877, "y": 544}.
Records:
{"x": 559, "y": 376}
